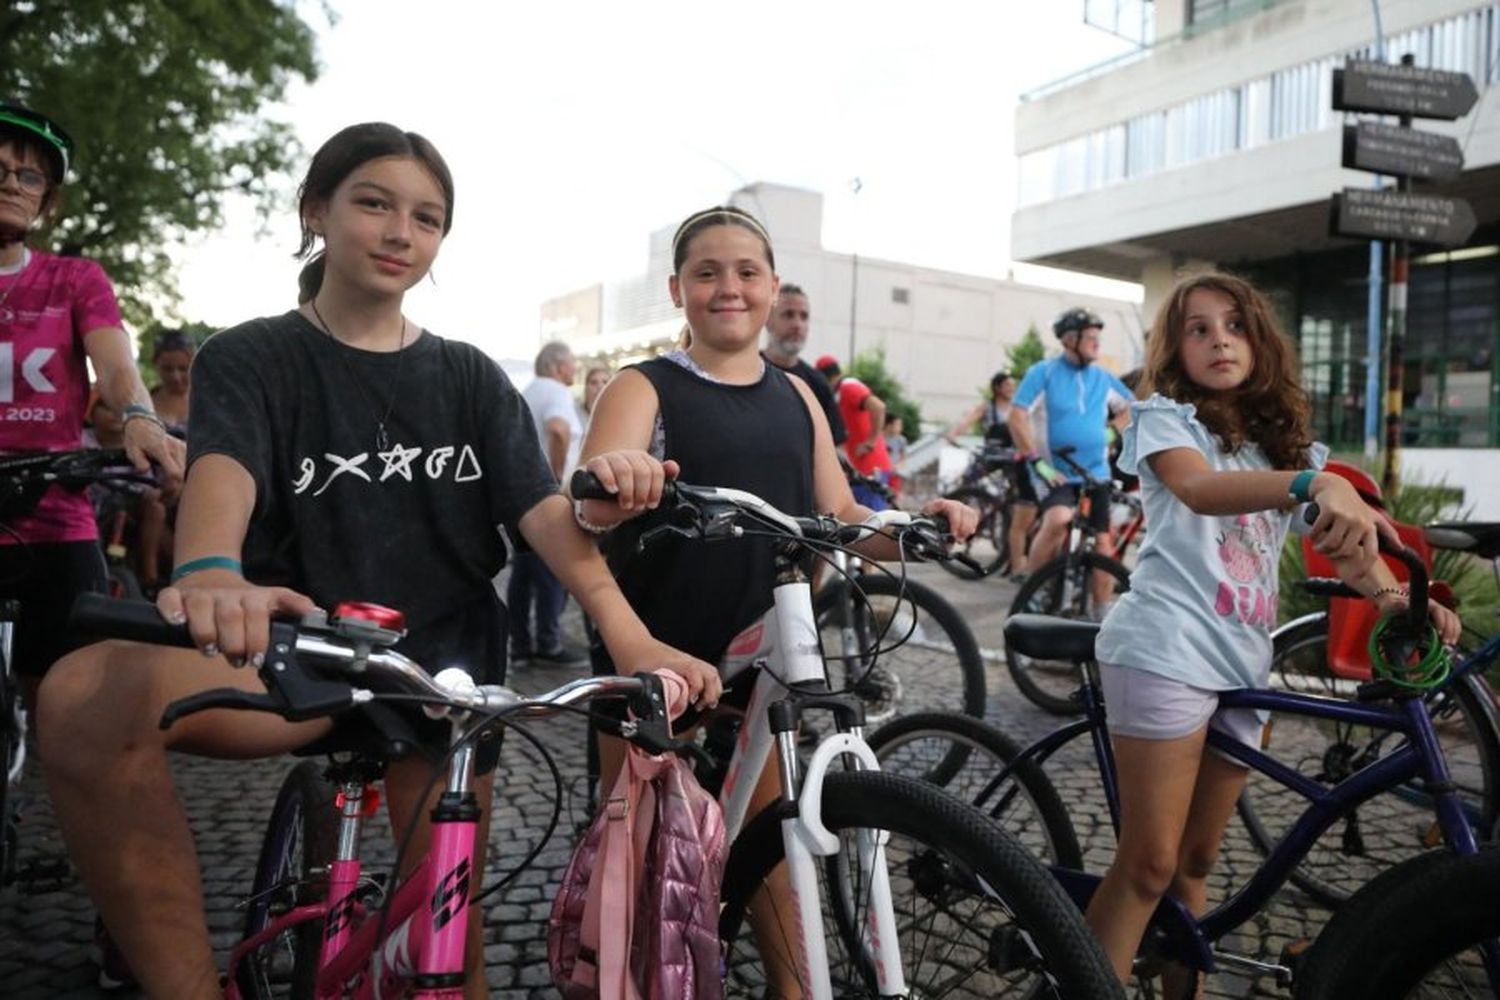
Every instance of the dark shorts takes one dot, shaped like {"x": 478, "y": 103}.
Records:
{"x": 45, "y": 578}
{"x": 1021, "y": 482}
{"x": 1067, "y": 495}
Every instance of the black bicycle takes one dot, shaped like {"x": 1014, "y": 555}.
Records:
{"x": 23, "y": 481}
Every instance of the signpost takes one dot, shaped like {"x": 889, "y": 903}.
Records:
{"x": 1402, "y": 90}
{"x": 1400, "y": 215}
{"x": 1395, "y": 215}
{"x": 1402, "y": 152}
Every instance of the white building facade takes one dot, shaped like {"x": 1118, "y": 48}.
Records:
{"x": 1216, "y": 144}
{"x": 942, "y": 333}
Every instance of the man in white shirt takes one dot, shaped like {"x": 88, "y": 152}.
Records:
{"x": 532, "y": 584}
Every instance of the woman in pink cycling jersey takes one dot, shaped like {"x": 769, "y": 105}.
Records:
{"x": 55, "y": 312}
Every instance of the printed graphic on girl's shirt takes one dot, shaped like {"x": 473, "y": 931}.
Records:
{"x": 1245, "y": 551}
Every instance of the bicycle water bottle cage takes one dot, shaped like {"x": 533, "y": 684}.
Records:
{"x": 1399, "y": 656}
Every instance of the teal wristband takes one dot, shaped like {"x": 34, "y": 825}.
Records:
{"x": 207, "y": 562}
{"x": 1301, "y": 488}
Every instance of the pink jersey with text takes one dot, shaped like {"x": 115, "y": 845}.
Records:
{"x": 52, "y": 304}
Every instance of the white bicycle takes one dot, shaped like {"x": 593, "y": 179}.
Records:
{"x": 896, "y": 888}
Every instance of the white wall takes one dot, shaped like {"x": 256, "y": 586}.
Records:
{"x": 1475, "y": 471}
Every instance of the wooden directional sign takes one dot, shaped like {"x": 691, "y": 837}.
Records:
{"x": 1395, "y": 215}
{"x": 1402, "y": 90}
{"x": 1402, "y": 152}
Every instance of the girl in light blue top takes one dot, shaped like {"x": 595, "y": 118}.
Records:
{"x": 1224, "y": 449}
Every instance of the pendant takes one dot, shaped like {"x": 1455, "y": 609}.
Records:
{"x": 382, "y": 442}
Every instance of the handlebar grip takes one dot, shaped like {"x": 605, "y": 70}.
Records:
{"x": 1416, "y": 569}
{"x": 586, "y": 486}
{"x": 108, "y": 618}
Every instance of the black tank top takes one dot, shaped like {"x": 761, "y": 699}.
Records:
{"x": 699, "y": 595}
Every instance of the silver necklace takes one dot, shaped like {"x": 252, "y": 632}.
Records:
{"x": 382, "y": 441}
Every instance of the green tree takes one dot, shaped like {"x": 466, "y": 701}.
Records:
{"x": 165, "y": 101}
{"x": 1026, "y": 352}
{"x": 870, "y": 369}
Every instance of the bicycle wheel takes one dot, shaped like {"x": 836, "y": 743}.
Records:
{"x": 937, "y": 668}
{"x": 1027, "y": 806}
{"x": 976, "y": 915}
{"x": 989, "y": 546}
{"x": 1414, "y": 931}
{"x": 12, "y": 732}
{"x": 300, "y": 842}
{"x": 1062, "y": 588}
{"x": 1389, "y": 827}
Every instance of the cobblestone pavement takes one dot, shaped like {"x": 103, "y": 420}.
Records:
{"x": 45, "y": 931}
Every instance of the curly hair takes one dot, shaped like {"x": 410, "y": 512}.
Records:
{"x": 1269, "y": 408}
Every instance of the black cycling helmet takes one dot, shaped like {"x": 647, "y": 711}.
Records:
{"x": 16, "y": 119}
{"x": 1074, "y": 321}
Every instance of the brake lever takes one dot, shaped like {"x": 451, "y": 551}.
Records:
{"x": 234, "y": 698}
{"x": 650, "y": 535}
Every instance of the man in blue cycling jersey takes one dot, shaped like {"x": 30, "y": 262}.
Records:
{"x": 1079, "y": 400}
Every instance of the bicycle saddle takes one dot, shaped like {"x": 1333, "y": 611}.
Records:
{"x": 1482, "y": 540}
{"x": 1047, "y": 638}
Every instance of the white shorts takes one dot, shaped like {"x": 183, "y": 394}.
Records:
{"x": 1148, "y": 706}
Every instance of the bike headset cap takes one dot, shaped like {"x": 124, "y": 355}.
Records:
{"x": 18, "y": 119}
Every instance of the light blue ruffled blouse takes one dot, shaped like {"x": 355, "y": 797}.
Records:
{"x": 1202, "y": 598}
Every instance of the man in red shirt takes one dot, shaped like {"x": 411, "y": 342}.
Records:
{"x": 864, "y": 418}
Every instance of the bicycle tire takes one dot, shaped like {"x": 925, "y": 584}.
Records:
{"x": 300, "y": 842}
{"x": 1052, "y": 685}
{"x": 1389, "y": 827}
{"x": 989, "y": 546}
{"x": 1411, "y": 932}
{"x": 1013, "y": 921}
{"x": 937, "y": 668}
{"x": 11, "y": 735}
{"x": 1028, "y": 807}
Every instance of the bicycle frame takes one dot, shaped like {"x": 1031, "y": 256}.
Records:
{"x": 785, "y": 646}
{"x": 1420, "y": 756}
{"x": 416, "y": 946}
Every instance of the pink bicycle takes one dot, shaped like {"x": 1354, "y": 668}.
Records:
{"x": 317, "y": 925}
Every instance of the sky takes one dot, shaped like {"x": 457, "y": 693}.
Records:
{"x": 573, "y": 130}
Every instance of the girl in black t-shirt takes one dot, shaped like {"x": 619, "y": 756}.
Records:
{"x": 717, "y": 413}
{"x": 338, "y": 452}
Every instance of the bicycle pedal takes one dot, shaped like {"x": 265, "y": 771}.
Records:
{"x": 1293, "y": 954}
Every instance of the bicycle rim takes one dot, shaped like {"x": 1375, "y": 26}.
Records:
{"x": 1062, "y": 589}
{"x": 1026, "y": 805}
{"x": 936, "y": 668}
{"x": 976, "y": 916}
{"x": 1392, "y": 826}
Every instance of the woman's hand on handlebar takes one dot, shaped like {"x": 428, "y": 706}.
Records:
{"x": 228, "y": 615}
{"x": 1444, "y": 619}
{"x": 704, "y": 685}
{"x": 634, "y": 477}
{"x": 146, "y": 442}
{"x": 963, "y": 520}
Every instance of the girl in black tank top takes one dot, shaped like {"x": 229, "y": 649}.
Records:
{"x": 716, "y": 414}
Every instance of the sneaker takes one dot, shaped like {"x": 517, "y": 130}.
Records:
{"x": 1018, "y": 577}
{"x": 519, "y": 657}
{"x": 114, "y": 971}
{"x": 562, "y": 656}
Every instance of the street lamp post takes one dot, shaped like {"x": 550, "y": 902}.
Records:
{"x": 855, "y": 185}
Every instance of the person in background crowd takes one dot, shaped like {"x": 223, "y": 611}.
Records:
{"x": 895, "y": 447}
{"x": 534, "y": 595}
{"x": 786, "y": 336}
{"x": 594, "y": 381}
{"x": 172, "y": 356}
{"x": 864, "y": 419}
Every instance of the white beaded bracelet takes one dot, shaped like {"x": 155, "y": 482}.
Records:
{"x": 585, "y": 523}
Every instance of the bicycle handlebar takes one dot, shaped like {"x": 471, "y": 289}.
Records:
{"x": 708, "y": 512}
{"x": 1417, "y": 577}
{"x": 348, "y": 650}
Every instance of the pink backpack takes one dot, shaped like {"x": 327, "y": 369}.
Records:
{"x": 637, "y": 914}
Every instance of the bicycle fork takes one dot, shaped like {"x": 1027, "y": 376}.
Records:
{"x": 804, "y": 836}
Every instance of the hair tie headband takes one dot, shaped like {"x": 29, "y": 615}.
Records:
{"x": 739, "y": 215}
